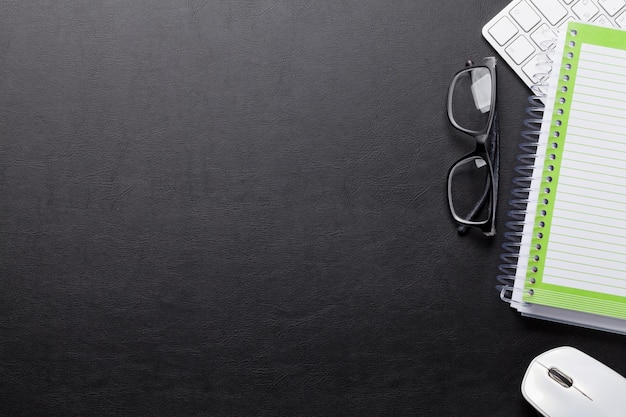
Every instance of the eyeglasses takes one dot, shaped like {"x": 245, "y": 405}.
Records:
{"x": 473, "y": 179}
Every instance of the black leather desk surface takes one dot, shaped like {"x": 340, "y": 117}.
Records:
{"x": 237, "y": 208}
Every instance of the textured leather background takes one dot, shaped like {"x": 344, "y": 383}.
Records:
{"x": 237, "y": 208}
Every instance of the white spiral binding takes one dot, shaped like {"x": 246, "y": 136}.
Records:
{"x": 520, "y": 193}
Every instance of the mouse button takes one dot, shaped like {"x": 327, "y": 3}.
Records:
{"x": 604, "y": 386}
{"x": 543, "y": 393}
{"x": 591, "y": 372}
{"x": 562, "y": 357}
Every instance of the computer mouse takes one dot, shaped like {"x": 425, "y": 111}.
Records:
{"x": 565, "y": 382}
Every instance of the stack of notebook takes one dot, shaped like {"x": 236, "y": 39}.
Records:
{"x": 567, "y": 249}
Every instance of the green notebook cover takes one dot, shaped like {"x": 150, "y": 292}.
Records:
{"x": 577, "y": 254}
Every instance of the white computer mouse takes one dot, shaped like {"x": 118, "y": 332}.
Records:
{"x": 565, "y": 382}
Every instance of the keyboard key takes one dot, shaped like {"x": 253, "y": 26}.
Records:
{"x": 544, "y": 37}
{"x": 525, "y": 16}
{"x": 621, "y": 20}
{"x": 612, "y": 6}
{"x": 602, "y": 20}
{"x": 585, "y": 10}
{"x": 534, "y": 68}
{"x": 520, "y": 50}
{"x": 503, "y": 30}
{"x": 551, "y": 9}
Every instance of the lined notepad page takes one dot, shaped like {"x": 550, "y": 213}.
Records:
{"x": 587, "y": 248}
{"x": 577, "y": 254}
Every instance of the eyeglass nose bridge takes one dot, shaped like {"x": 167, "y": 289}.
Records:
{"x": 482, "y": 138}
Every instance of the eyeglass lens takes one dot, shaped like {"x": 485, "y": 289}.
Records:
{"x": 471, "y": 99}
{"x": 470, "y": 190}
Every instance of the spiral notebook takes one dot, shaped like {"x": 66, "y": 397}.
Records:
{"x": 566, "y": 255}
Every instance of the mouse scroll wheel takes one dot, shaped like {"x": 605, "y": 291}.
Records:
{"x": 560, "y": 377}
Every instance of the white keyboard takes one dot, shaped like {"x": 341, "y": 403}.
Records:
{"x": 521, "y": 31}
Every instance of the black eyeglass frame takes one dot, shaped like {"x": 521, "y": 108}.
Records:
{"x": 486, "y": 148}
